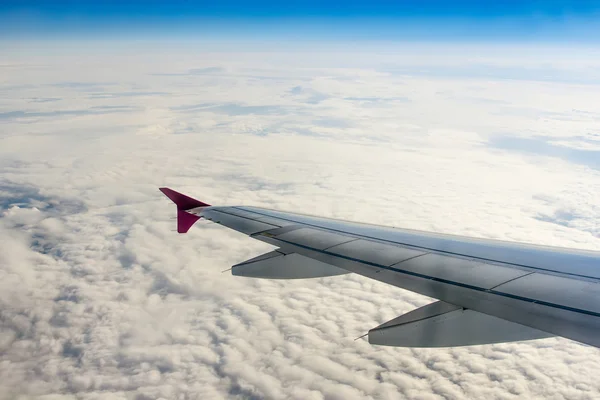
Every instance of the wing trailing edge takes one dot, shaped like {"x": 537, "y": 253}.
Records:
{"x": 441, "y": 324}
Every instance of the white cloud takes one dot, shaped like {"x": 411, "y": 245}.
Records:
{"x": 100, "y": 297}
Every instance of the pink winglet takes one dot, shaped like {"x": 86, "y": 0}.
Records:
{"x": 185, "y": 220}
{"x": 183, "y": 202}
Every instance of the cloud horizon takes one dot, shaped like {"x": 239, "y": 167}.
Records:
{"x": 100, "y": 297}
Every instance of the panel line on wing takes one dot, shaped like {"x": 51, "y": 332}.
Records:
{"x": 518, "y": 277}
{"x": 314, "y": 238}
{"x": 408, "y": 259}
{"x": 236, "y": 222}
{"x": 377, "y": 252}
{"x": 339, "y": 244}
{"x": 434, "y": 250}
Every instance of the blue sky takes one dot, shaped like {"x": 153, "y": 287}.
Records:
{"x": 396, "y": 20}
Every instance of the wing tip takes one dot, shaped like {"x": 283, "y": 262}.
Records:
{"x": 182, "y": 201}
{"x": 185, "y": 221}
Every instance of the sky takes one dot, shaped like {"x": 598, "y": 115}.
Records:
{"x": 495, "y": 137}
{"x": 465, "y": 20}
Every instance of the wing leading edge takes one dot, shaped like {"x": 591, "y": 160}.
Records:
{"x": 489, "y": 291}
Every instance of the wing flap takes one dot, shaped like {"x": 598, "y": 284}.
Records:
{"x": 278, "y": 265}
{"x": 461, "y": 271}
{"x": 441, "y": 324}
{"x": 542, "y": 288}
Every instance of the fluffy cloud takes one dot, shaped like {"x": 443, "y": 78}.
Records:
{"x": 99, "y": 297}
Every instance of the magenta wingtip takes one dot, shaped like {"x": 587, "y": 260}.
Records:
{"x": 182, "y": 201}
{"x": 185, "y": 220}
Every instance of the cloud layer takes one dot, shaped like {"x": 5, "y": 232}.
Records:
{"x": 99, "y": 297}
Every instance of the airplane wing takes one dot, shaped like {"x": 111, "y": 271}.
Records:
{"x": 489, "y": 291}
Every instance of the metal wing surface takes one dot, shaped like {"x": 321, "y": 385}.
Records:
{"x": 489, "y": 291}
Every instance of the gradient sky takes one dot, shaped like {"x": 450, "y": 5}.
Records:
{"x": 395, "y": 20}
{"x": 102, "y": 103}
